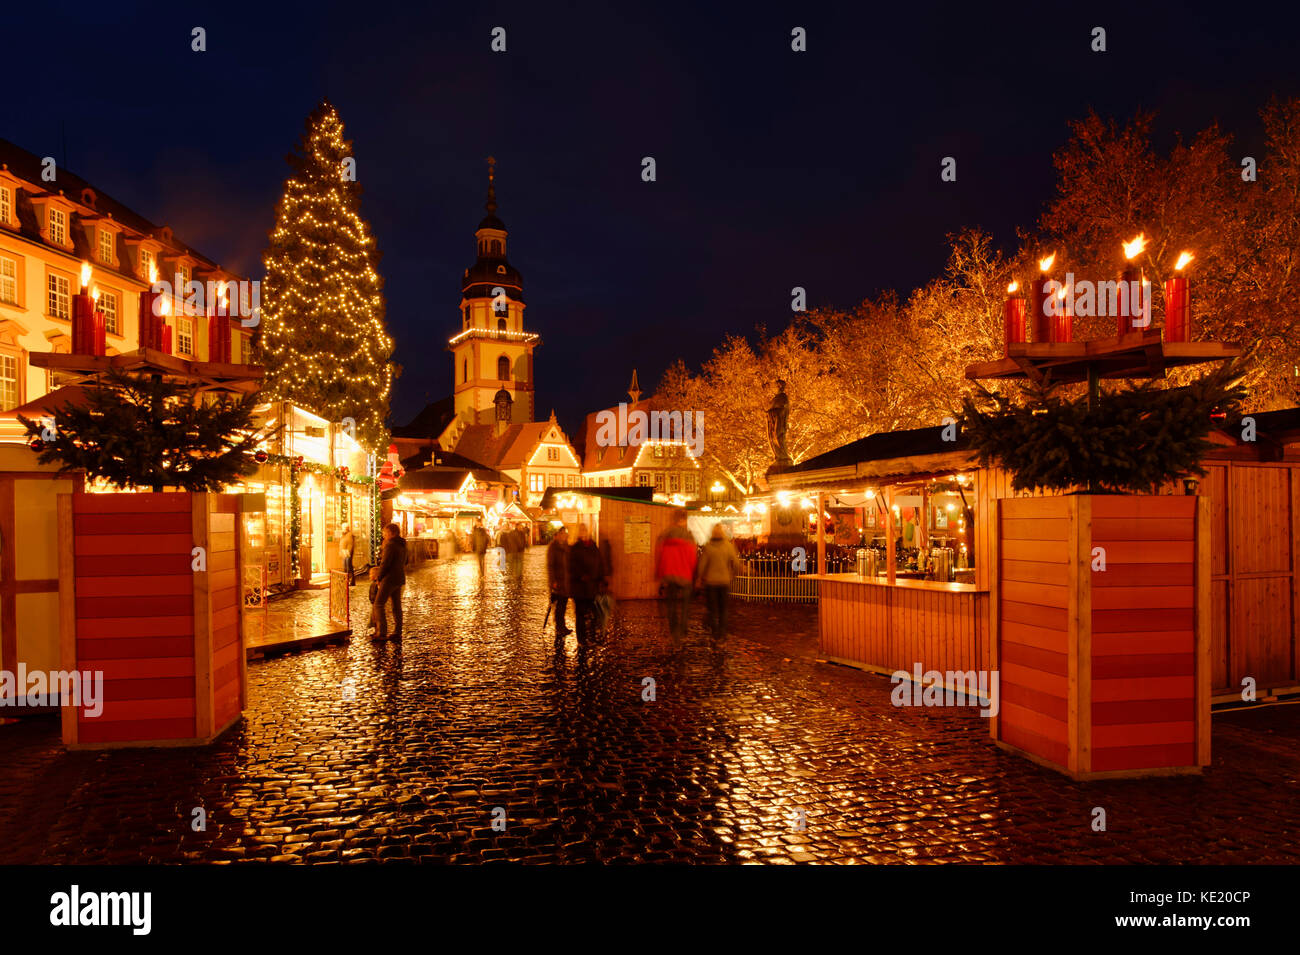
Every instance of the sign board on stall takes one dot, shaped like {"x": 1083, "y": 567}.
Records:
{"x": 569, "y": 517}
{"x": 636, "y": 536}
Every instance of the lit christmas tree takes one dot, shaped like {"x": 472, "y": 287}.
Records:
{"x": 323, "y": 338}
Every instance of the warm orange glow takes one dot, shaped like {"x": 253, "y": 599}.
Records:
{"x": 1183, "y": 259}
{"x": 1065, "y": 290}
{"x": 1045, "y": 264}
{"x": 153, "y": 273}
{"x": 94, "y": 293}
{"x": 85, "y": 274}
{"x": 165, "y": 307}
{"x": 1135, "y": 247}
{"x": 1011, "y": 289}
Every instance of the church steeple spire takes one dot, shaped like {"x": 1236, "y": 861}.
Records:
{"x": 634, "y": 389}
{"x": 491, "y": 204}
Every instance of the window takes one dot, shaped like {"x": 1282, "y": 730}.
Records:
{"x": 501, "y": 324}
{"x": 643, "y": 479}
{"x": 184, "y": 336}
{"x": 8, "y": 280}
{"x": 503, "y": 368}
{"x": 622, "y": 480}
{"x": 572, "y": 480}
{"x": 146, "y": 263}
{"x": 182, "y": 278}
{"x": 464, "y": 370}
{"x": 690, "y": 485}
{"x": 60, "y": 305}
{"x": 659, "y": 450}
{"x": 8, "y": 382}
{"x": 552, "y": 454}
{"x": 535, "y": 482}
{"x": 674, "y": 483}
{"x": 58, "y": 227}
{"x": 496, "y": 246}
{"x": 659, "y": 480}
{"x": 108, "y": 305}
{"x": 105, "y": 246}
{"x": 6, "y": 204}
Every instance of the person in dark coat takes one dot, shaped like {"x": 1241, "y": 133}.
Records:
{"x": 586, "y": 572}
{"x": 392, "y": 577}
{"x": 557, "y": 578}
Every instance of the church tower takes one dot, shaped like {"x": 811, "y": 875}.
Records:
{"x": 492, "y": 353}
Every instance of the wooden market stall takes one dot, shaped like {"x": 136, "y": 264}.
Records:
{"x": 626, "y": 520}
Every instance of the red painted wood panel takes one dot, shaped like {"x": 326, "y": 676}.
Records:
{"x": 110, "y": 628}
{"x": 1144, "y": 575}
{"x": 142, "y": 504}
{"x": 1144, "y": 506}
{"x": 149, "y": 689}
{"x": 93, "y": 607}
{"x": 1143, "y": 711}
{"x": 1143, "y": 757}
{"x": 1045, "y": 660}
{"x": 1122, "y": 598}
{"x": 136, "y": 544}
{"x": 1144, "y": 688}
{"x": 145, "y": 647}
{"x": 137, "y": 669}
{"x": 93, "y": 731}
{"x": 1057, "y": 707}
{"x": 1161, "y": 620}
{"x": 1036, "y": 572}
{"x": 1143, "y": 734}
{"x": 1143, "y": 665}
{"x": 85, "y": 525}
{"x": 137, "y": 586}
{"x": 1030, "y": 742}
{"x": 162, "y": 709}
{"x": 1033, "y": 722}
{"x": 1017, "y": 675}
{"x": 1049, "y": 618}
{"x": 1151, "y": 641}
{"x": 140, "y": 565}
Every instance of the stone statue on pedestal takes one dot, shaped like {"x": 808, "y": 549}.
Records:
{"x": 777, "y": 418}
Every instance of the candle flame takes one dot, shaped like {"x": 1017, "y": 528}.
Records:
{"x": 165, "y": 307}
{"x": 94, "y": 293}
{"x": 1011, "y": 289}
{"x": 153, "y": 273}
{"x": 1183, "y": 259}
{"x": 1045, "y": 264}
{"x": 1065, "y": 290}
{"x": 85, "y": 274}
{"x": 1135, "y": 247}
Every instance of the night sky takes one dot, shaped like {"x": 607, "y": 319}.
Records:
{"x": 775, "y": 168}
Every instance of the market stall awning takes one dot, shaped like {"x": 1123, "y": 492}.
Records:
{"x": 888, "y": 454}
{"x": 644, "y": 495}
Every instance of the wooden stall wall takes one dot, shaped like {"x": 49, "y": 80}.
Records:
{"x": 166, "y": 636}
{"x": 1033, "y": 630}
{"x": 634, "y": 573}
{"x": 885, "y": 629}
{"x": 1254, "y": 582}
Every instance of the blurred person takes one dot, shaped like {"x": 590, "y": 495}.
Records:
{"x": 556, "y": 573}
{"x": 718, "y": 566}
{"x": 675, "y": 569}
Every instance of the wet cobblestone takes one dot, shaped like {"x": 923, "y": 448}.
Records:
{"x": 476, "y": 711}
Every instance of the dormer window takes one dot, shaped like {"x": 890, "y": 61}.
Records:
{"x": 501, "y": 270}
{"x": 58, "y": 227}
{"x": 6, "y": 205}
{"x": 106, "y": 246}
{"x": 146, "y": 263}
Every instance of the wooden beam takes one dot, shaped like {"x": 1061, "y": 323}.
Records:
{"x": 821, "y": 533}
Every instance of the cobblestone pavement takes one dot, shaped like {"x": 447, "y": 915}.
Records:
{"x": 476, "y": 710}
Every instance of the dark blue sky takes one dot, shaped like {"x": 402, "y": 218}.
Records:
{"x": 775, "y": 168}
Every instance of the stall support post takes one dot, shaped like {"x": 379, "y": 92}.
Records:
{"x": 890, "y": 556}
{"x": 821, "y": 534}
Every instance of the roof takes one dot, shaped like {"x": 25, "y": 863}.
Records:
{"x": 430, "y": 422}
{"x": 882, "y": 446}
{"x": 69, "y": 396}
{"x": 28, "y": 166}
{"x": 638, "y": 495}
{"x": 595, "y": 457}
{"x": 511, "y": 449}
{"x": 434, "y": 479}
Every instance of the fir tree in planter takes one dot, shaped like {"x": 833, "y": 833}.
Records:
{"x": 1129, "y": 441}
{"x": 139, "y": 431}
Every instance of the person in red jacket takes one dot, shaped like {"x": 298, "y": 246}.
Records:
{"x": 675, "y": 569}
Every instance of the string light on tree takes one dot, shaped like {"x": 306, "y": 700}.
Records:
{"x": 323, "y": 337}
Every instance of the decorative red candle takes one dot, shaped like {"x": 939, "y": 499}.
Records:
{"x": 1178, "y": 304}
{"x": 1013, "y": 318}
{"x": 98, "y": 327}
{"x": 1042, "y": 320}
{"x": 167, "y": 340}
{"x": 1063, "y": 320}
{"x": 1132, "y": 284}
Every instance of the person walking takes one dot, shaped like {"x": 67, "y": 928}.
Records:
{"x": 392, "y": 577}
{"x": 719, "y": 564}
{"x": 479, "y": 541}
{"x": 585, "y": 574}
{"x": 556, "y": 573}
{"x": 348, "y": 547}
{"x": 675, "y": 569}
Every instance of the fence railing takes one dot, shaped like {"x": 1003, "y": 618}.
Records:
{"x": 773, "y": 578}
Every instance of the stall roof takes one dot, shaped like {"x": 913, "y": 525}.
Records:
{"x": 918, "y": 451}
{"x": 640, "y": 495}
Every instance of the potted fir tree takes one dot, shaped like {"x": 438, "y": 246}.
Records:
{"x": 1100, "y": 595}
{"x": 149, "y": 581}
